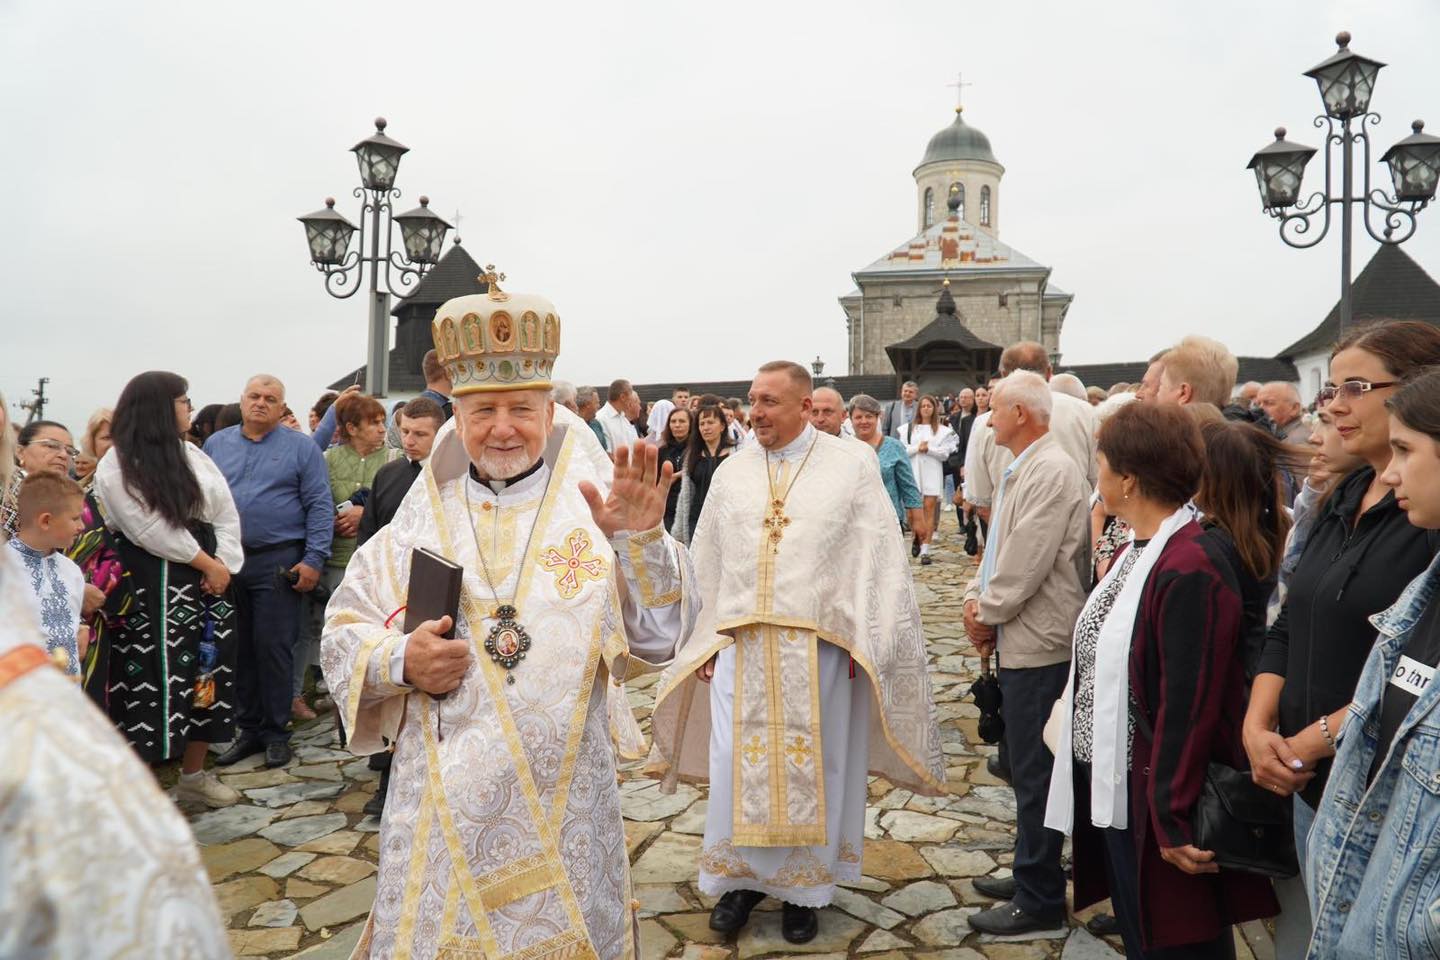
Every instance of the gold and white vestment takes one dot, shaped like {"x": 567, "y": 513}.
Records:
{"x": 502, "y": 835}
{"x": 821, "y": 675}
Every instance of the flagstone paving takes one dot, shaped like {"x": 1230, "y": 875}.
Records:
{"x": 293, "y": 863}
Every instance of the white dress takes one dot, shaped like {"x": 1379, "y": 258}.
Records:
{"x": 929, "y": 466}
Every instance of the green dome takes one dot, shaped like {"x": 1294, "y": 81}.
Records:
{"x": 959, "y": 141}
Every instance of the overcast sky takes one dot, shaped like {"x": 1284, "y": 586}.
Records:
{"x": 691, "y": 184}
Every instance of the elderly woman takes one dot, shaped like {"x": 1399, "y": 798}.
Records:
{"x": 94, "y": 445}
{"x": 1156, "y": 693}
{"x": 865, "y": 413}
{"x": 44, "y": 446}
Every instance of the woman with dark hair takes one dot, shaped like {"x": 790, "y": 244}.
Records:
{"x": 709, "y": 446}
{"x": 674, "y": 444}
{"x": 1243, "y": 515}
{"x": 43, "y": 446}
{"x": 204, "y": 423}
{"x": 1156, "y": 692}
{"x": 177, "y": 534}
{"x": 1360, "y": 553}
{"x": 1374, "y": 855}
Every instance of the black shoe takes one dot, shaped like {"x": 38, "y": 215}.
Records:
{"x": 972, "y": 545}
{"x": 242, "y": 747}
{"x": 375, "y": 806}
{"x": 925, "y": 560}
{"x": 733, "y": 909}
{"x": 799, "y": 924}
{"x": 915, "y": 547}
{"x": 277, "y": 754}
{"x": 997, "y": 770}
{"x": 1103, "y": 925}
{"x": 996, "y": 888}
{"x": 1007, "y": 920}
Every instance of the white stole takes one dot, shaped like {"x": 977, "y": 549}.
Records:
{"x": 1109, "y": 771}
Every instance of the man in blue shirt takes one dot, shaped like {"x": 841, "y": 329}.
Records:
{"x": 282, "y": 490}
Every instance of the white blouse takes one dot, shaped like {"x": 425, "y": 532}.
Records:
{"x": 153, "y": 533}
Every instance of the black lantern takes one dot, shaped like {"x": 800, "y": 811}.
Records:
{"x": 1346, "y": 80}
{"x": 422, "y": 232}
{"x": 379, "y": 158}
{"x": 817, "y": 366}
{"x": 1279, "y": 168}
{"x": 1415, "y": 164}
{"x": 328, "y": 234}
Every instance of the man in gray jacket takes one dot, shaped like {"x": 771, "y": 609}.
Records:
{"x": 1024, "y": 604}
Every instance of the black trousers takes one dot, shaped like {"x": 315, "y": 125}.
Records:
{"x": 269, "y": 622}
{"x": 1029, "y": 694}
{"x": 1123, "y": 874}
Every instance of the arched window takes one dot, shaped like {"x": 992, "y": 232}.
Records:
{"x": 984, "y": 206}
{"x": 957, "y": 189}
{"x": 1314, "y": 382}
{"x": 929, "y": 206}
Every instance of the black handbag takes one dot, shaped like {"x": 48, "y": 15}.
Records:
{"x": 1248, "y": 828}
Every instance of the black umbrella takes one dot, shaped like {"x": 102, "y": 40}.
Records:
{"x": 986, "y": 691}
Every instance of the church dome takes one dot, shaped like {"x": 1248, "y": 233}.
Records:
{"x": 959, "y": 141}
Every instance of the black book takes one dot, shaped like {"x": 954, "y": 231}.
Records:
{"x": 434, "y": 590}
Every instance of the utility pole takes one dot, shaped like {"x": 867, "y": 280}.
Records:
{"x": 35, "y": 408}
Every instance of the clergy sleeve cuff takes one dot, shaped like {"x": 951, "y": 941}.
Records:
{"x": 651, "y": 565}
{"x": 397, "y": 662}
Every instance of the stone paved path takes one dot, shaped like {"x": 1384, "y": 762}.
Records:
{"x": 293, "y": 866}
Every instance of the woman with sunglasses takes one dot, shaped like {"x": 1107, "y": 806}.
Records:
{"x": 1360, "y": 553}
{"x": 44, "y": 446}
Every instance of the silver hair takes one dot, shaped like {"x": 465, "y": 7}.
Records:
{"x": 1287, "y": 388}
{"x": 1070, "y": 385}
{"x": 562, "y": 392}
{"x": 866, "y": 404}
{"x": 1027, "y": 389}
{"x": 910, "y": 383}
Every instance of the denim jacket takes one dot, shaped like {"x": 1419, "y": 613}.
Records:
{"x": 1374, "y": 853}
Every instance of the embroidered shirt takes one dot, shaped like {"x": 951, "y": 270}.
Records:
{"x": 59, "y": 586}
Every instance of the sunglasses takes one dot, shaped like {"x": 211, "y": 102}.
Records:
{"x": 1350, "y": 390}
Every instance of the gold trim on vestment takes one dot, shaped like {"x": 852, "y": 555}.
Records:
{"x": 789, "y": 760}
{"x": 725, "y": 628}
{"x": 577, "y": 731}
{"x": 636, "y": 546}
{"x": 414, "y": 877}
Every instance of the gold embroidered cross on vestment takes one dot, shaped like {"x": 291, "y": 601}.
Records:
{"x": 754, "y": 750}
{"x": 775, "y": 520}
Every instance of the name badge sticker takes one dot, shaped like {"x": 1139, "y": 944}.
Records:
{"x": 1412, "y": 676}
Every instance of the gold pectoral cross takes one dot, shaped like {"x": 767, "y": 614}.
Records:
{"x": 776, "y": 522}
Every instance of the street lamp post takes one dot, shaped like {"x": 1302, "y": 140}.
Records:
{"x": 1346, "y": 82}
{"x": 817, "y": 366}
{"x": 422, "y": 234}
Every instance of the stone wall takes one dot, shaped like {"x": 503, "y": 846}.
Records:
{"x": 999, "y": 309}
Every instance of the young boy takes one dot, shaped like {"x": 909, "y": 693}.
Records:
{"x": 50, "y": 507}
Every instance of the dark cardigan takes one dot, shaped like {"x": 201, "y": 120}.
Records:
{"x": 1188, "y": 684}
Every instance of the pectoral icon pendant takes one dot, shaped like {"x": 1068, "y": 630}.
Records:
{"x": 508, "y": 641}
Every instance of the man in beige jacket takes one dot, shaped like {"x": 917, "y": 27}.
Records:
{"x": 1024, "y": 603}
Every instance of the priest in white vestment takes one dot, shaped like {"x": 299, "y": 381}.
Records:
{"x": 502, "y": 835}
{"x": 810, "y": 639}
{"x": 95, "y": 861}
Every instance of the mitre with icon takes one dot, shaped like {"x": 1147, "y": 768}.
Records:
{"x": 497, "y": 340}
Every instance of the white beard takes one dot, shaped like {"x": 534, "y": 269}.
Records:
{"x": 501, "y": 466}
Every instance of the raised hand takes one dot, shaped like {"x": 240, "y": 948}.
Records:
{"x": 637, "y": 494}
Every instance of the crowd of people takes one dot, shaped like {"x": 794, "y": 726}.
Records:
{"x": 1213, "y": 610}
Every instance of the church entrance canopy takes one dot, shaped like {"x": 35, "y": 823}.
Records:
{"x": 945, "y": 354}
